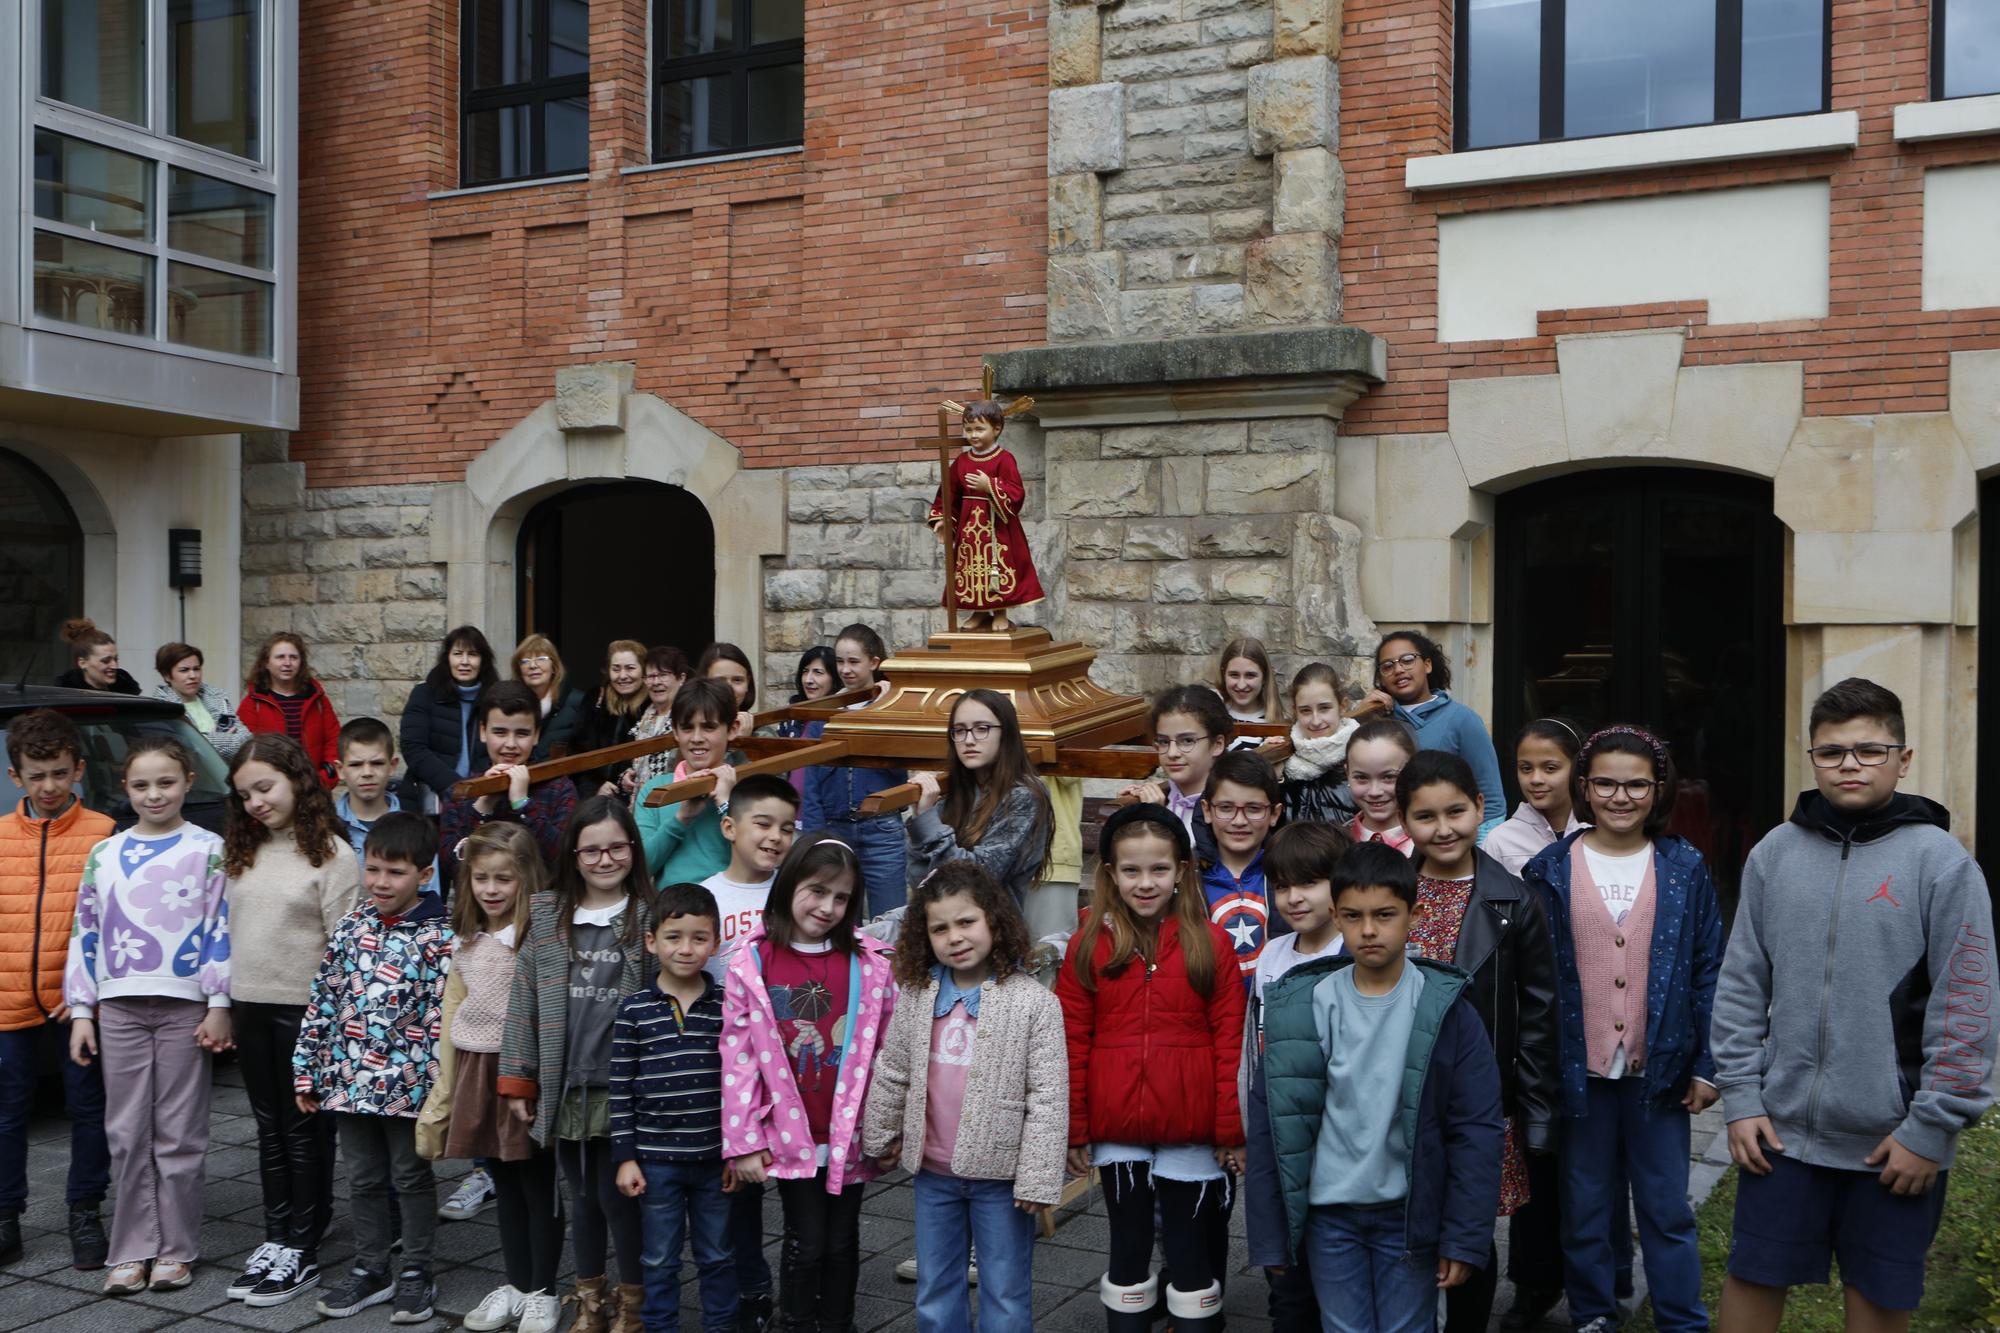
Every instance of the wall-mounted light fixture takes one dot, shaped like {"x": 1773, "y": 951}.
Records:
{"x": 184, "y": 566}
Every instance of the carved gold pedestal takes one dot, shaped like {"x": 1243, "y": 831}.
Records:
{"x": 1049, "y": 684}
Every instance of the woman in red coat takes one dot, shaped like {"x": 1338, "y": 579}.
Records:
{"x": 1155, "y": 1027}
{"x": 283, "y": 695}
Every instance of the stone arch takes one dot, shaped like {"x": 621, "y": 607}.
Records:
{"x": 597, "y": 429}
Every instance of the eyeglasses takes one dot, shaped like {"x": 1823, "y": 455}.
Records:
{"x": 1168, "y": 744}
{"x": 974, "y": 731}
{"x": 1635, "y": 789}
{"x": 1388, "y": 664}
{"x": 616, "y": 851}
{"x": 1229, "y": 812}
{"x": 1870, "y": 754}
{"x": 658, "y": 677}
{"x": 541, "y": 660}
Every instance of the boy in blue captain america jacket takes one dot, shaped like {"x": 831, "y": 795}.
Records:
{"x": 367, "y": 1050}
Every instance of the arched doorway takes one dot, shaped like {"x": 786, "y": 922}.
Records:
{"x": 617, "y": 560}
{"x": 41, "y": 569}
{"x": 1652, "y": 595}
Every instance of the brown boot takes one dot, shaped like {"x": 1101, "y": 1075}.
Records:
{"x": 590, "y": 1306}
{"x": 631, "y": 1299}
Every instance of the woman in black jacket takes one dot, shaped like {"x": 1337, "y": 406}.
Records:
{"x": 94, "y": 660}
{"x": 611, "y": 715}
{"x": 439, "y": 737}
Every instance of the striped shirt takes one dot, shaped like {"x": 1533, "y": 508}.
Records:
{"x": 293, "y": 706}
{"x": 666, "y": 1077}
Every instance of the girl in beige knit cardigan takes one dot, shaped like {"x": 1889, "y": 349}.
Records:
{"x": 500, "y": 869}
{"x": 971, "y": 1095}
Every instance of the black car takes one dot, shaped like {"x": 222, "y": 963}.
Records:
{"x": 109, "y": 723}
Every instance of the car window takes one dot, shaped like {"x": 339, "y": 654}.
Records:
{"x": 106, "y": 738}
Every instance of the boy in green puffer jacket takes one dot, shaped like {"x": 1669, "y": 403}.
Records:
{"x": 1374, "y": 1124}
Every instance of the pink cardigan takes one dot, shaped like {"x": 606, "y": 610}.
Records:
{"x": 759, "y": 1097}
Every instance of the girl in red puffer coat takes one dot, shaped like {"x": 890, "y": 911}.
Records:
{"x": 1155, "y": 1026}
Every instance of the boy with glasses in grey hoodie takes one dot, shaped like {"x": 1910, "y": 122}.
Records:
{"x": 1853, "y": 1028}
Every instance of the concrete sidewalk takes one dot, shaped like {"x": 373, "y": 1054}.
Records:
{"x": 42, "y": 1287}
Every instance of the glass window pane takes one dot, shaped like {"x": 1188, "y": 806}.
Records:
{"x": 218, "y": 219}
{"x": 695, "y": 116}
{"x": 215, "y": 78}
{"x": 87, "y": 185}
{"x": 777, "y": 105}
{"x": 777, "y": 21}
{"x": 1971, "y": 47}
{"x": 496, "y": 144}
{"x": 94, "y": 55}
{"x": 1784, "y": 48}
{"x": 566, "y": 121}
{"x": 569, "y": 37}
{"x": 501, "y": 35}
{"x": 698, "y": 26}
{"x": 1638, "y": 65}
{"x": 218, "y": 311}
{"x": 97, "y": 286}
{"x": 1503, "y": 77}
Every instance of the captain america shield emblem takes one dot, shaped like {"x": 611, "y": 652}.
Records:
{"x": 1242, "y": 917}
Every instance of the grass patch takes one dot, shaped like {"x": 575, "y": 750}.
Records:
{"x": 1962, "y": 1290}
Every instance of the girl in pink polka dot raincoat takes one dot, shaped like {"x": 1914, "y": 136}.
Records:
{"x": 806, "y": 1003}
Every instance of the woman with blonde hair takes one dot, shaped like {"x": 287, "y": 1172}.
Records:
{"x": 538, "y": 665}
{"x": 612, "y": 715}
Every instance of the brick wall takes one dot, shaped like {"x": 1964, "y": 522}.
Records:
{"x": 1877, "y": 350}
{"x": 809, "y": 308}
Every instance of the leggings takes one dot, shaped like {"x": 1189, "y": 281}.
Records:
{"x": 600, "y": 1216}
{"x": 820, "y": 1262}
{"x": 295, "y": 1152}
{"x": 531, "y": 1220}
{"x": 1187, "y": 1210}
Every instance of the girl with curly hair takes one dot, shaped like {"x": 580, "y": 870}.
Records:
{"x": 971, "y": 1096}
{"x": 292, "y": 876}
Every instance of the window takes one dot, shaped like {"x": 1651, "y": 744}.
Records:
{"x": 167, "y": 234}
{"x": 1965, "y": 48}
{"x": 731, "y": 76}
{"x": 525, "y": 80}
{"x": 1535, "y": 70}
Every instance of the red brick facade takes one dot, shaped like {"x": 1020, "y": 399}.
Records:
{"x": 1877, "y": 350}
{"x": 808, "y": 307}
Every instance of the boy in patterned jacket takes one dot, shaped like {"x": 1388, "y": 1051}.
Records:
{"x": 367, "y": 1051}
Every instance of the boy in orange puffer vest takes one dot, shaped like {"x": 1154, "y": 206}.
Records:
{"x": 43, "y": 844}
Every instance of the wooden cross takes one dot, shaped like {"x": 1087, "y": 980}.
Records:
{"x": 946, "y": 411}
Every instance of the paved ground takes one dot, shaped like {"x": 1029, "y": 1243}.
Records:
{"x": 42, "y": 1287}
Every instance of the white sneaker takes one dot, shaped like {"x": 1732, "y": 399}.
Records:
{"x": 540, "y": 1310}
{"x": 907, "y": 1272}
{"x": 501, "y": 1307}
{"x": 471, "y": 1198}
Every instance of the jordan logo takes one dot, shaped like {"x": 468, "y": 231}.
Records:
{"x": 1883, "y": 893}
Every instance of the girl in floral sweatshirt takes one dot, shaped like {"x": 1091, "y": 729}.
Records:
{"x": 148, "y": 989}
{"x": 804, "y": 1007}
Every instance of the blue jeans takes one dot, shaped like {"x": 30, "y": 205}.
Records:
{"x": 1651, "y": 1142}
{"x": 1364, "y": 1273}
{"x": 954, "y": 1217}
{"x": 21, "y": 1051}
{"x": 883, "y": 850}
{"x": 685, "y": 1200}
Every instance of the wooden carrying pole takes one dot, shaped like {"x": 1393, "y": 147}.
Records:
{"x": 492, "y": 785}
{"x": 815, "y": 752}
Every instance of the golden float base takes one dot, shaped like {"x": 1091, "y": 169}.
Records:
{"x": 1049, "y": 684}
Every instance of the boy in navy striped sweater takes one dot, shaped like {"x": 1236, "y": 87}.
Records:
{"x": 666, "y": 1113}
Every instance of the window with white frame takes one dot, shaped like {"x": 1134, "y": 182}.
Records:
{"x": 1529, "y": 71}
{"x": 1965, "y": 48}
{"x": 153, "y": 198}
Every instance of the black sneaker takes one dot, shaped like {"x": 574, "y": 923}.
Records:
{"x": 290, "y": 1274}
{"x": 415, "y": 1295}
{"x": 753, "y": 1312}
{"x": 88, "y": 1245}
{"x": 10, "y": 1239}
{"x": 253, "y": 1272}
{"x": 356, "y": 1294}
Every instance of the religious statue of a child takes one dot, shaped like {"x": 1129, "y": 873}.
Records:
{"x": 995, "y": 572}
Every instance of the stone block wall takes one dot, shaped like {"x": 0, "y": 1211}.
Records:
{"x": 1156, "y": 544}
{"x": 1194, "y": 179}
{"x": 349, "y": 569}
